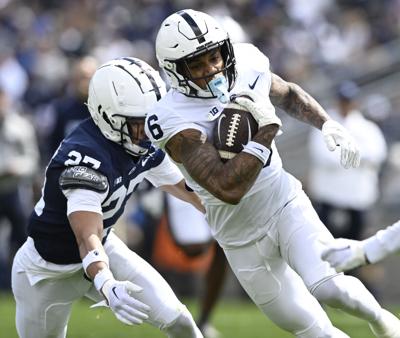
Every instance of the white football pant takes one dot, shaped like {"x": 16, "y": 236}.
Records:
{"x": 281, "y": 271}
{"x": 43, "y": 309}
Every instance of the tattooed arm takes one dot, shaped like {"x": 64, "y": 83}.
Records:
{"x": 227, "y": 181}
{"x": 296, "y": 102}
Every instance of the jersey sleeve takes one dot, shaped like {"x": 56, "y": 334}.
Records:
{"x": 250, "y": 57}
{"x": 166, "y": 173}
{"x": 383, "y": 244}
{"x": 84, "y": 200}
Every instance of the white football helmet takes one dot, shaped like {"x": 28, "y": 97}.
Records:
{"x": 184, "y": 35}
{"x": 121, "y": 90}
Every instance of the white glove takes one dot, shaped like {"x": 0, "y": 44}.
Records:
{"x": 344, "y": 254}
{"x": 336, "y": 135}
{"x": 262, "y": 111}
{"x": 120, "y": 297}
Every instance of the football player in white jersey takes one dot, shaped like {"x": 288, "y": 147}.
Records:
{"x": 346, "y": 254}
{"x": 71, "y": 251}
{"x": 257, "y": 212}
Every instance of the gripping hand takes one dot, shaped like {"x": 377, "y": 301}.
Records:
{"x": 121, "y": 298}
{"x": 262, "y": 111}
{"x": 344, "y": 254}
{"x": 336, "y": 135}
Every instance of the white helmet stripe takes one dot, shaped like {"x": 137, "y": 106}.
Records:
{"x": 148, "y": 74}
{"x": 135, "y": 78}
{"x": 193, "y": 25}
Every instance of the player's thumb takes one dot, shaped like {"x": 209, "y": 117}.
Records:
{"x": 326, "y": 242}
{"x": 330, "y": 142}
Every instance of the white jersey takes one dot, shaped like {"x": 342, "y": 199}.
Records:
{"x": 231, "y": 225}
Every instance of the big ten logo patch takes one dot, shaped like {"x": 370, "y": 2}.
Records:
{"x": 214, "y": 111}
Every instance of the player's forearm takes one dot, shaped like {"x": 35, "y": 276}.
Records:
{"x": 87, "y": 227}
{"x": 227, "y": 181}
{"x": 384, "y": 243}
{"x": 302, "y": 106}
{"x": 179, "y": 191}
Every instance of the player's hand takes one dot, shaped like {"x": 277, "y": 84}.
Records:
{"x": 120, "y": 297}
{"x": 336, "y": 135}
{"x": 344, "y": 254}
{"x": 263, "y": 113}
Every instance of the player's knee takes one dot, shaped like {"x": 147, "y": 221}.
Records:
{"x": 183, "y": 327}
{"x": 339, "y": 290}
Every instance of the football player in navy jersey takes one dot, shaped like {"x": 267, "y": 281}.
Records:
{"x": 258, "y": 213}
{"x": 71, "y": 250}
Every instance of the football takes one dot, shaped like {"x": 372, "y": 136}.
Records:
{"x": 234, "y": 128}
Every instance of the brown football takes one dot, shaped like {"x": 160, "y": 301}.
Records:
{"x": 234, "y": 128}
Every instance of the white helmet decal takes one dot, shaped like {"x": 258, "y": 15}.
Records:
{"x": 120, "y": 90}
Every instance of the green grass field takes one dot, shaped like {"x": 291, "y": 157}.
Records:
{"x": 234, "y": 319}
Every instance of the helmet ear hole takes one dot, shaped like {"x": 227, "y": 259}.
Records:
{"x": 168, "y": 65}
{"x": 105, "y": 117}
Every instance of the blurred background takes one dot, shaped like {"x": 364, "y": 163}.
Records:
{"x": 344, "y": 53}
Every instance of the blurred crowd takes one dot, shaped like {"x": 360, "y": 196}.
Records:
{"x": 42, "y": 40}
{"x": 50, "y": 48}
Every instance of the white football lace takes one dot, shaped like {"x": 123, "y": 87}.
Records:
{"x": 232, "y": 130}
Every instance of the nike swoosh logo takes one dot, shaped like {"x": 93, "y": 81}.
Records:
{"x": 113, "y": 290}
{"x": 248, "y": 132}
{"x": 259, "y": 149}
{"x": 251, "y": 86}
{"x": 144, "y": 161}
{"x": 219, "y": 126}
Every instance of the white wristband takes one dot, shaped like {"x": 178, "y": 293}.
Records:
{"x": 258, "y": 150}
{"x": 94, "y": 256}
{"x": 101, "y": 277}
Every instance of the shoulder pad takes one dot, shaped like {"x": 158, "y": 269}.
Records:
{"x": 83, "y": 178}
{"x": 258, "y": 60}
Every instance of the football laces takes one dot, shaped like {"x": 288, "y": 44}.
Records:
{"x": 232, "y": 130}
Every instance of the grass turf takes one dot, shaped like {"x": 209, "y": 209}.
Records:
{"x": 234, "y": 319}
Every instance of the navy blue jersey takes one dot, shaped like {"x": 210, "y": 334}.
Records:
{"x": 85, "y": 146}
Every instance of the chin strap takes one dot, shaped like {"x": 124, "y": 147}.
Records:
{"x": 138, "y": 149}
